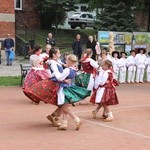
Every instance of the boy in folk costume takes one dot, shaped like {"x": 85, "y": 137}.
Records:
{"x": 105, "y": 92}
{"x": 122, "y": 67}
{"x": 131, "y": 64}
{"x": 115, "y": 63}
{"x": 148, "y": 67}
{"x": 140, "y": 63}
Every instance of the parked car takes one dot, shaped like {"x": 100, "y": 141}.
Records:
{"x": 82, "y": 20}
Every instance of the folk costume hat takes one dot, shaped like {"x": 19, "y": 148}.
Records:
{"x": 132, "y": 51}
{"x": 139, "y": 49}
{"x": 123, "y": 53}
{"x": 115, "y": 52}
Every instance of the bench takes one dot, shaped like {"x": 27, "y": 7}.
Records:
{"x": 24, "y": 70}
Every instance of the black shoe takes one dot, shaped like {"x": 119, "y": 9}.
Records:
{"x": 7, "y": 64}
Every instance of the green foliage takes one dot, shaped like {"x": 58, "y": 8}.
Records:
{"x": 116, "y": 17}
{"x": 10, "y": 81}
{"x": 53, "y": 12}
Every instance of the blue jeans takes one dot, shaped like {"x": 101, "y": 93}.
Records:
{"x": 9, "y": 61}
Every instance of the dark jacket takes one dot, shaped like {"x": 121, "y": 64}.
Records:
{"x": 50, "y": 41}
{"x": 77, "y": 48}
{"x": 8, "y": 43}
{"x": 92, "y": 45}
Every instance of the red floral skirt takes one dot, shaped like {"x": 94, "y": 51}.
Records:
{"x": 34, "y": 76}
{"x": 109, "y": 96}
{"x": 45, "y": 90}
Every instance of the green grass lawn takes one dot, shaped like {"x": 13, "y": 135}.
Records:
{"x": 63, "y": 39}
{"x": 10, "y": 81}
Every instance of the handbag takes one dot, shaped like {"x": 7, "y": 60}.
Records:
{"x": 12, "y": 55}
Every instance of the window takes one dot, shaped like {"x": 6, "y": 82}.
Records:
{"x": 18, "y": 4}
{"x": 90, "y": 16}
{"x": 83, "y": 8}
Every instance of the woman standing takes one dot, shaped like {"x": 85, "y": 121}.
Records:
{"x": 91, "y": 45}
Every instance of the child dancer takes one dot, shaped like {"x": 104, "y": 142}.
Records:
{"x": 115, "y": 62}
{"x": 46, "y": 90}
{"x": 98, "y": 51}
{"x": 141, "y": 63}
{"x": 131, "y": 64}
{"x": 123, "y": 68}
{"x": 148, "y": 67}
{"x": 69, "y": 93}
{"x": 37, "y": 72}
{"x": 105, "y": 92}
{"x": 89, "y": 66}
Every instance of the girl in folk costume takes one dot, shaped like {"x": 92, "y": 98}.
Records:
{"x": 131, "y": 64}
{"x": 115, "y": 63}
{"x": 105, "y": 51}
{"x": 105, "y": 92}
{"x": 69, "y": 93}
{"x": 140, "y": 63}
{"x": 45, "y": 56}
{"x": 89, "y": 66}
{"x": 37, "y": 72}
{"x": 98, "y": 51}
{"x": 122, "y": 67}
{"x": 46, "y": 90}
{"x": 148, "y": 67}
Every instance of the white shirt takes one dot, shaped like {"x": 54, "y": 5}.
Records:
{"x": 140, "y": 60}
{"x": 36, "y": 62}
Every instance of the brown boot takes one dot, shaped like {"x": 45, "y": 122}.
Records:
{"x": 54, "y": 120}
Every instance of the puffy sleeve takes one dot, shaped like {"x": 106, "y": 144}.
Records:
{"x": 54, "y": 67}
{"x": 31, "y": 60}
{"x": 101, "y": 79}
{"x": 93, "y": 63}
{"x": 61, "y": 76}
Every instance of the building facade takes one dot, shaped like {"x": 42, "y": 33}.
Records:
{"x": 7, "y": 19}
{"x": 26, "y": 15}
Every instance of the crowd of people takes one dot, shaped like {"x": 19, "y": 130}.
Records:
{"x": 60, "y": 83}
{"x": 127, "y": 69}
{"x": 92, "y": 73}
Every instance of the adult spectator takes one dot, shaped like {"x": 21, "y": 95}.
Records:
{"x": 8, "y": 46}
{"x": 77, "y": 48}
{"x": 0, "y": 52}
{"x": 50, "y": 40}
{"x": 91, "y": 45}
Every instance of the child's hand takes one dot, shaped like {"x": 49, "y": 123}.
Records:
{"x": 68, "y": 81}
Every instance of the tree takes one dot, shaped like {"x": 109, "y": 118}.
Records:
{"x": 116, "y": 15}
{"x": 144, "y": 6}
{"x": 53, "y": 12}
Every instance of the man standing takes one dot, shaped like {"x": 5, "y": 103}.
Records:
{"x": 50, "y": 40}
{"x": 8, "y": 45}
{"x": 77, "y": 48}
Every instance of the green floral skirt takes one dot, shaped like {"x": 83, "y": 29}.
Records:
{"x": 82, "y": 80}
{"x": 75, "y": 93}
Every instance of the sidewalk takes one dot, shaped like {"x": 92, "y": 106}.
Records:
{"x": 13, "y": 70}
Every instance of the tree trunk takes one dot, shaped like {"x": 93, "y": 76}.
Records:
{"x": 148, "y": 25}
